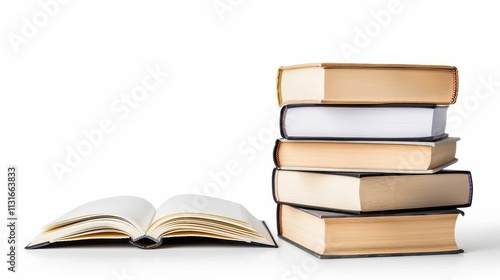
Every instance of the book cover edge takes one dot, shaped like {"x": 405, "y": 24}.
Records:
{"x": 403, "y": 213}
{"x": 330, "y": 65}
{"x": 385, "y": 171}
{"x": 443, "y": 141}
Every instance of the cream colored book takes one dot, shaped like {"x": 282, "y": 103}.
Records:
{"x": 349, "y": 83}
{"x": 372, "y": 192}
{"x": 135, "y": 219}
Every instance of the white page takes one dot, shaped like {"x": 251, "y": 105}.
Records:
{"x": 135, "y": 209}
{"x": 368, "y": 122}
{"x": 193, "y": 203}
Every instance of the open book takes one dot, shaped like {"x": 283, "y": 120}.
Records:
{"x": 133, "y": 218}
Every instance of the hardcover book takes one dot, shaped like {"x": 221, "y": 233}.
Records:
{"x": 363, "y": 122}
{"x": 340, "y": 235}
{"x": 349, "y": 83}
{"x": 372, "y": 192}
{"x": 135, "y": 219}
{"x": 365, "y": 156}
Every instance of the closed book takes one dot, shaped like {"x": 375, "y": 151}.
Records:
{"x": 369, "y": 122}
{"x": 372, "y": 192}
{"x": 327, "y": 234}
{"x": 365, "y": 156}
{"x": 350, "y": 83}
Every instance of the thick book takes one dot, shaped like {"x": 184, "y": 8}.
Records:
{"x": 349, "y": 83}
{"x": 372, "y": 192}
{"x": 327, "y": 234}
{"x": 368, "y": 122}
{"x": 135, "y": 219}
{"x": 365, "y": 156}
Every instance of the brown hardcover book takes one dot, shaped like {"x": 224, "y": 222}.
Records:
{"x": 339, "y": 235}
{"x": 346, "y": 83}
{"x": 371, "y": 192}
{"x": 365, "y": 156}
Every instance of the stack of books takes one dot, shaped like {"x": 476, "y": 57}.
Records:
{"x": 359, "y": 167}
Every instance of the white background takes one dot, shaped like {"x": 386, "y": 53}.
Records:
{"x": 218, "y": 106}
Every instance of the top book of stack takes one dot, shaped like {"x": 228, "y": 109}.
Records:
{"x": 345, "y": 83}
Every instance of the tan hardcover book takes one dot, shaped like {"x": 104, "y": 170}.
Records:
{"x": 346, "y": 83}
{"x": 327, "y": 234}
{"x": 365, "y": 156}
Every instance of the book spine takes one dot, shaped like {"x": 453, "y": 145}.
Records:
{"x": 146, "y": 242}
{"x": 278, "y": 219}
{"x": 455, "y": 86}
{"x": 274, "y": 177}
{"x": 470, "y": 189}
{"x": 283, "y": 112}
{"x": 278, "y": 86}
{"x": 276, "y": 151}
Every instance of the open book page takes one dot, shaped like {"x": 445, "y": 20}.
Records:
{"x": 193, "y": 203}
{"x": 134, "y": 209}
{"x": 197, "y": 215}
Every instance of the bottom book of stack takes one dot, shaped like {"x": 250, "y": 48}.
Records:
{"x": 328, "y": 234}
